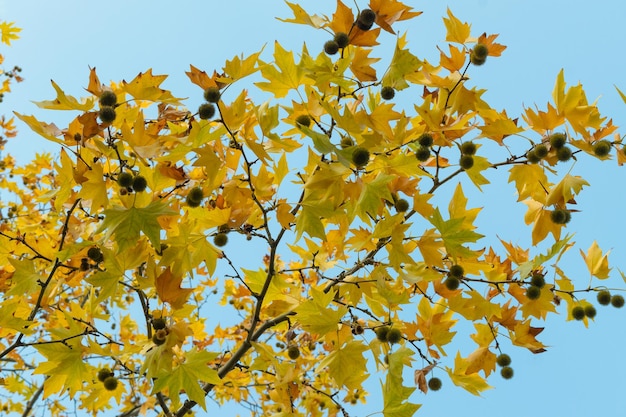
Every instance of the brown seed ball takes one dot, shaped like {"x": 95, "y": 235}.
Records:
{"x": 602, "y": 148}
{"x": 541, "y": 150}
{"x": 95, "y": 254}
{"x": 617, "y": 301}
{"x": 107, "y": 114}
{"x": 107, "y": 98}
{"x": 381, "y": 333}
{"x": 159, "y": 323}
{"x": 564, "y": 154}
{"x": 401, "y": 205}
{"x": 159, "y": 337}
{"x": 360, "y": 157}
{"x": 503, "y": 360}
{"x": 220, "y": 239}
{"x": 303, "y": 120}
{"x": 110, "y": 383}
{"x": 206, "y": 111}
{"x": 212, "y": 94}
{"x": 331, "y": 47}
{"x": 604, "y": 297}
{"x": 293, "y": 352}
{"x": 506, "y": 372}
{"x": 578, "y": 313}
{"x": 466, "y": 161}
{"x": 560, "y": 216}
{"x": 346, "y": 142}
{"x": 140, "y": 183}
{"x": 480, "y": 50}
{"x": 590, "y": 311}
{"x": 104, "y": 373}
{"x": 468, "y": 148}
{"x": 394, "y": 335}
{"x": 533, "y": 292}
{"x": 125, "y": 179}
{"x": 387, "y": 93}
{"x": 557, "y": 140}
{"x": 456, "y": 271}
{"x": 452, "y": 283}
{"x": 532, "y": 156}
{"x": 342, "y": 39}
{"x": 422, "y": 154}
{"x": 426, "y": 140}
{"x": 434, "y": 384}
{"x": 195, "y": 197}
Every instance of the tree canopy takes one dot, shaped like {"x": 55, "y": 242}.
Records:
{"x": 296, "y": 228}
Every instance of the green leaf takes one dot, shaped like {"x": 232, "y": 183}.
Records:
{"x": 126, "y": 224}
{"x": 395, "y": 395}
{"x": 315, "y": 316}
{"x": 347, "y": 364}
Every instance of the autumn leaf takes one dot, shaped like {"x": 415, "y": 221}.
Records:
{"x": 64, "y": 102}
{"x": 457, "y": 31}
{"x": 472, "y": 382}
{"x": 169, "y": 291}
{"x": 597, "y": 263}
{"x": 146, "y": 86}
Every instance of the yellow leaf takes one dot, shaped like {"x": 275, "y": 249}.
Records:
{"x": 457, "y": 31}
{"x": 169, "y": 291}
{"x": 472, "y": 383}
{"x": 9, "y": 32}
{"x": 145, "y": 86}
{"x": 64, "y": 102}
{"x": 390, "y": 11}
{"x": 565, "y": 190}
{"x": 597, "y": 263}
{"x": 361, "y": 65}
{"x": 300, "y": 16}
{"x": 283, "y": 214}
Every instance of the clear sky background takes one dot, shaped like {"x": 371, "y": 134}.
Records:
{"x": 582, "y": 373}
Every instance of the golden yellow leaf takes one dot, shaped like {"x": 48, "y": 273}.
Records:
{"x": 169, "y": 291}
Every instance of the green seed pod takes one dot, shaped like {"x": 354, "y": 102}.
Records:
{"x": 342, "y": 39}
{"x": 107, "y": 98}
{"x": 206, "y": 111}
{"x": 360, "y": 157}
{"x": 140, "y": 183}
{"x": 212, "y": 94}
{"x": 331, "y": 47}
{"x": 387, "y": 93}
{"x": 107, "y": 114}
{"x": 426, "y": 140}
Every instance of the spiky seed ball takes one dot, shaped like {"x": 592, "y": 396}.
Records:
{"x": 532, "y": 157}
{"x": 533, "y": 292}
{"x": 557, "y": 140}
{"x": 357, "y": 329}
{"x": 560, "y": 216}
{"x": 125, "y": 179}
{"x": 506, "y": 372}
{"x": 107, "y": 114}
{"x": 387, "y": 92}
{"x": 110, "y": 383}
{"x": 342, "y": 39}
{"x": 426, "y": 140}
{"x": 466, "y": 161}
{"x": 381, "y": 333}
{"x": 84, "y": 265}
{"x": 480, "y": 50}
{"x": 604, "y": 297}
{"x": 538, "y": 280}
{"x": 195, "y": 197}
{"x": 346, "y": 142}
{"x": 293, "y": 352}
{"x": 212, "y": 94}
{"x": 104, "y": 373}
{"x": 140, "y": 183}
{"x": 159, "y": 337}
{"x": 422, "y": 153}
{"x": 456, "y": 271}
{"x": 578, "y": 313}
{"x": 401, "y": 205}
{"x": 95, "y": 254}
{"x": 434, "y": 384}
{"x": 564, "y": 154}
{"x": 206, "y": 111}
{"x": 541, "y": 150}
{"x": 503, "y": 360}
{"x": 107, "y": 98}
{"x": 220, "y": 239}
{"x": 617, "y": 301}
{"x": 367, "y": 16}
{"x": 477, "y": 60}
{"x": 331, "y": 47}
{"x": 360, "y": 156}
{"x": 602, "y": 148}
{"x": 468, "y": 148}
{"x": 303, "y": 120}
{"x": 452, "y": 283}
{"x": 394, "y": 335}
{"x": 159, "y": 323}
{"x": 590, "y": 311}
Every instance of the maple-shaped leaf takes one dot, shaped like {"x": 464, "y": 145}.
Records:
{"x": 390, "y": 11}
{"x": 403, "y": 64}
{"x": 396, "y": 395}
{"x": 127, "y": 224}
{"x": 146, "y": 86}
{"x": 346, "y": 365}
{"x": 238, "y": 68}
{"x": 525, "y": 335}
{"x": 493, "y": 48}
{"x": 457, "y": 31}
{"x": 199, "y": 78}
{"x": 284, "y": 75}
{"x": 64, "y": 102}
{"x": 597, "y": 263}
{"x": 300, "y": 16}
{"x": 420, "y": 377}
{"x": 94, "y": 189}
{"x": 186, "y": 377}
{"x": 361, "y": 65}
{"x": 343, "y": 21}
{"x": 95, "y": 86}
{"x": 169, "y": 291}
{"x": 315, "y": 316}
{"x": 543, "y": 121}
{"x": 565, "y": 190}
{"x": 530, "y": 180}
{"x": 472, "y": 383}
{"x": 48, "y": 131}
{"x": 9, "y": 32}
{"x": 455, "y": 234}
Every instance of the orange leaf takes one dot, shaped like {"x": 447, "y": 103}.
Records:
{"x": 95, "y": 86}
{"x": 390, "y": 11}
{"x": 495, "y": 49}
{"x": 169, "y": 291}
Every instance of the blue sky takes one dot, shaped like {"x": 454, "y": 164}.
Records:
{"x": 582, "y": 372}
